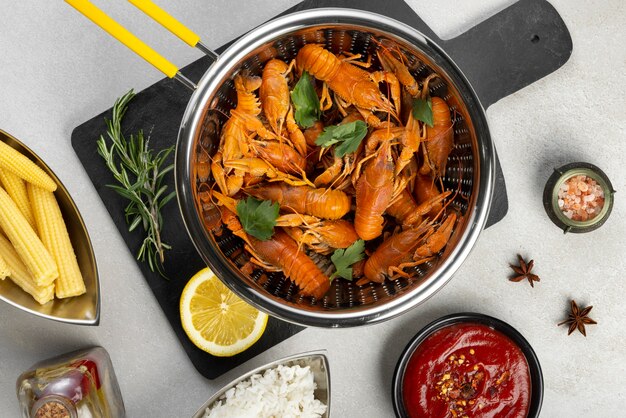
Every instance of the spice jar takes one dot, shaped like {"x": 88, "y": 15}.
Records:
{"x": 578, "y": 197}
{"x": 80, "y": 384}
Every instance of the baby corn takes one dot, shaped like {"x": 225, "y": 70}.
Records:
{"x": 16, "y": 188}
{"x": 54, "y": 236}
{"x": 26, "y": 242}
{"x": 21, "y": 166}
{"x": 20, "y": 274}
{"x": 4, "y": 268}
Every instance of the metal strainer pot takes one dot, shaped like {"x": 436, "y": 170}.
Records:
{"x": 470, "y": 171}
{"x": 470, "y": 166}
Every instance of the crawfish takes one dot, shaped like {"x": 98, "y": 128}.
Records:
{"x": 425, "y": 189}
{"x": 257, "y": 167}
{"x": 438, "y": 239}
{"x": 409, "y": 141}
{"x": 323, "y": 236}
{"x": 439, "y": 139}
{"x": 280, "y": 155}
{"x": 243, "y": 120}
{"x": 332, "y": 169}
{"x": 393, "y": 255}
{"x": 337, "y": 174}
{"x": 234, "y": 141}
{"x": 281, "y": 253}
{"x": 323, "y": 203}
{"x": 228, "y": 184}
{"x": 405, "y": 210}
{"x": 397, "y": 66}
{"x": 352, "y": 84}
{"x": 338, "y": 169}
{"x": 274, "y": 94}
{"x": 374, "y": 191}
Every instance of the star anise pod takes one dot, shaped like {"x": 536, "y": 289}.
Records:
{"x": 578, "y": 319}
{"x": 523, "y": 271}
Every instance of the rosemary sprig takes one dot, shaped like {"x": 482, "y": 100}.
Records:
{"x": 140, "y": 175}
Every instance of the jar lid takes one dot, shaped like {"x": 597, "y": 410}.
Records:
{"x": 53, "y": 406}
{"x": 551, "y": 197}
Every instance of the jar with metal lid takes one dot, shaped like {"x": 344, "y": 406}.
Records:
{"x": 80, "y": 384}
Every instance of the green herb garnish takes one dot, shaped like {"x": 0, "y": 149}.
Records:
{"x": 344, "y": 259}
{"x": 423, "y": 110}
{"x": 258, "y": 217}
{"x": 141, "y": 178}
{"x": 348, "y": 136}
{"x": 305, "y": 101}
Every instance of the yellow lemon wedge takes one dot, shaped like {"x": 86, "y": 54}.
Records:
{"x": 215, "y": 319}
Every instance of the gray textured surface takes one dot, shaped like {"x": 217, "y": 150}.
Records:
{"x": 58, "y": 70}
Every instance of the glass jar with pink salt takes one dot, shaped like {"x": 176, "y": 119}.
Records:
{"x": 578, "y": 197}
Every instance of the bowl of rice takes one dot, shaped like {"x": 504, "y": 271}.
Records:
{"x": 295, "y": 386}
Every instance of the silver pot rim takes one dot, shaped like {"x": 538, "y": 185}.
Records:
{"x": 193, "y": 118}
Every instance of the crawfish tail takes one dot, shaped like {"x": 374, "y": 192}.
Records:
{"x": 326, "y": 203}
{"x": 337, "y": 233}
{"x": 247, "y": 102}
{"x": 394, "y": 251}
{"x": 280, "y": 155}
{"x": 323, "y": 203}
{"x": 404, "y": 209}
{"x": 318, "y": 62}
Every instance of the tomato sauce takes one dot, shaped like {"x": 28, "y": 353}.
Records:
{"x": 467, "y": 370}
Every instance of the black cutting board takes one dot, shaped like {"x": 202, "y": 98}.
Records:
{"x": 501, "y": 55}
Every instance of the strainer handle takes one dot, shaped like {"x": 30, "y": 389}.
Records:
{"x": 173, "y": 25}
{"x": 127, "y": 38}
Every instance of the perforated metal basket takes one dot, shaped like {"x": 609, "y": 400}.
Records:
{"x": 470, "y": 168}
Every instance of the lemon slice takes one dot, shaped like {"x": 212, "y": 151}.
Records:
{"x": 215, "y": 319}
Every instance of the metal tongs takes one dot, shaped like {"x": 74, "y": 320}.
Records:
{"x": 97, "y": 16}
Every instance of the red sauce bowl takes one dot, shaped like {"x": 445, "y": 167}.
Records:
{"x": 473, "y": 363}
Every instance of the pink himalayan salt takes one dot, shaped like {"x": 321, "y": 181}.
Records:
{"x": 580, "y": 198}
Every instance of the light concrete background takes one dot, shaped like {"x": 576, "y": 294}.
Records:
{"x": 58, "y": 70}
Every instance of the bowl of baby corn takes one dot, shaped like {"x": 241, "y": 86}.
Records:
{"x": 47, "y": 265}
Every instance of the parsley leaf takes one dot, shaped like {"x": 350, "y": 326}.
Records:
{"x": 423, "y": 110}
{"x": 348, "y": 136}
{"x": 258, "y": 217}
{"x": 343, "y": 259}
{"x": 305, "y": 101}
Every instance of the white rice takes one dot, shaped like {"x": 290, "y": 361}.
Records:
{"x": 282, "y": 392}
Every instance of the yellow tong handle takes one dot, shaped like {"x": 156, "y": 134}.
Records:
{"x": 167, "y": 21}
{"x": 116, "y": 30}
